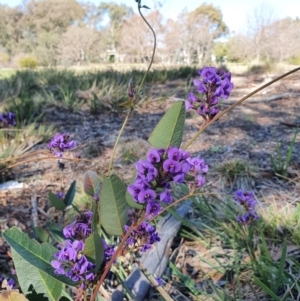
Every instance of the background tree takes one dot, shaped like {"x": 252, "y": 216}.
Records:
{"x": 192, "y": 38}
{"x": 136, "y": 39}
{"x": 117, "y": 14}
{"x": 10, "y": 28}
{"x": 78, "y": 44}
{"x": 44, "y": 22}
{"x": 258, "y": 22}
{"x": 283, "y": 38}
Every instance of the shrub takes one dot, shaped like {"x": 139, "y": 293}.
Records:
{"x": 28, "y": 62}
{"x": 295, "y": 60}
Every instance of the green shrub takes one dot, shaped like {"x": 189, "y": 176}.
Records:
{"x": 295, "y": 60}
{"x": 28, "y": 62}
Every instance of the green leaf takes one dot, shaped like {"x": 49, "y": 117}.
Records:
{"x": 91, "y": 183}
{"x": 64, "y": 299}
{"x": 113, "y": 205}
{"x": 169, "y": 130}
{"x": 41, "y": 234}
{"x": 70, "y": 194}
{"x": 56, "y": 232}
{"x": 56, "y": 202}
{"x": 94, "y": 249}
{"x": 266, "y": 289}
{"x": 32, "y": 263}
{"x": 130, "y": 201}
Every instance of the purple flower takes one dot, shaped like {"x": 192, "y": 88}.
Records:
{"x": 174, "y": 154}
{"x": 227, "y": 87}
{"x": 152, "y": 208}
{"x": 96, "y": 197}
{"x": 245, "y": 198}
{"x": 60, "y": 195}
{"x": 146, "y": 196}
{"x": 198, "y": 165}
{"x": 247, "y": 218}
{"x": 10, "y": 282}
{"x": 209, "y": 75}
{"x": 142, "y": 237}
{"x": 171, "y": 166}
{"x": 146, "y": 170}
{"x": 159, "y": 281}
{"x": 7, "y": 119}
{"x": 60, "y": 143}
{"x": 153, "y": 156}
{"x": 165, "y": 196}
{"x": 58, "y": 266}
{"x": 109, "y": 250}
{"x": 189, "y": 103}
{"x": 200, "y": 181}
{"x": 145, "y": 248}
{"x": 135, "y": 189}
{"x": 178, "y": 177}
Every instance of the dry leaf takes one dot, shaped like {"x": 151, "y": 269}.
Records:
{"x": 13, "y": 295}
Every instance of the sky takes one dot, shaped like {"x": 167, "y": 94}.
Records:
{"x": 235, "y": 12}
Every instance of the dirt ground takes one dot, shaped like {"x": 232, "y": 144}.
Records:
{"x": 248, "y": 133}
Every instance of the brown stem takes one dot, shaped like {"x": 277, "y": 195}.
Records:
{"x": 110, "y": 263}
{"x": 23, "y": 156}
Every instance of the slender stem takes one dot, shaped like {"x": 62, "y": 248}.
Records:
{"x": 117, "y": 141}
{"x": 79, "y": 295}
{"x": 236, "y": 104}
{"x": 136, "y": 96}
{"x": 153, "y": 52}
{"x": 23, "y": 156}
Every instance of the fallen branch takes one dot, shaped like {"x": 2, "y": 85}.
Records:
{"x": 294, "y": 125}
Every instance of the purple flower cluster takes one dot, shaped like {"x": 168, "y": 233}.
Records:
{"x": 142, "y": 237}
{"x": 154, "y": 176}
{"x": 80, "y": 228}
{"x": 247, "y": 200}
{"x": 72, "y": 263}
{"x": 10, "y": 282}
{"x": 60, "y": 143}
{"x": 109, "y": 251}
{"x": 7, "y": 119}
{"x": 213, "y": 85}
{"x": 70, "y": 260}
